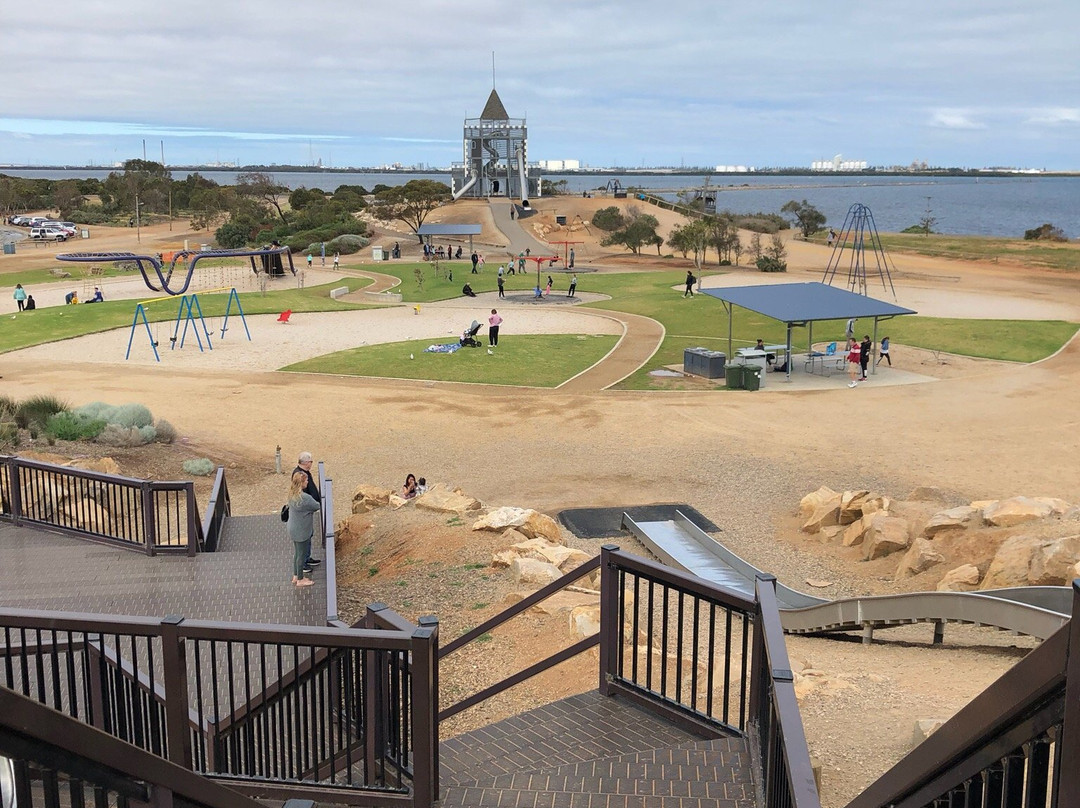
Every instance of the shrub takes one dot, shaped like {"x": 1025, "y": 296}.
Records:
{"x": 8, "y": 406}
{"x": 125, "y": 415}
{"x": 116, "y": 435}
{"x": 761, "y": 222}
{"x": 1045, "y": 232}
{"x": 166, "y": 432}
{"x": 9, "y": 435}
{"x": 73, "y": 426}
{"x": 148, "y": 433}
{"x": 200, "y": 467}
{"x": 38, "y": 410}
{"x": 767, "y": 264}
{"x": 609, "y": 219}
{"x": 348, "y": 243}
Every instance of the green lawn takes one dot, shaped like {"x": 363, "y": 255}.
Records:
{"x": 442, "y": 288}
{"x": 54, "y": 323}
{"x": 540, "y": 360}
{"x": 79, "y": 272}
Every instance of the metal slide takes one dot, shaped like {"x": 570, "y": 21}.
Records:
{"x": 1037, "y": 611}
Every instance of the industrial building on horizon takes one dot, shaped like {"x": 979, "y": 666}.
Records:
{"x": 838, "y": 163}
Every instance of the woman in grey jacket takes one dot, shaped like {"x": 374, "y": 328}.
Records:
{"x": 301, "y": 525}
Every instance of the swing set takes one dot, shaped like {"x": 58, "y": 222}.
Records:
{"x": 190, "y": 313}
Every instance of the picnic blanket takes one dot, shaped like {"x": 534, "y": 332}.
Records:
{"x": 450, "y": 347}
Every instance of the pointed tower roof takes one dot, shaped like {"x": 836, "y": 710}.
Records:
{"x": 494, "y": 109}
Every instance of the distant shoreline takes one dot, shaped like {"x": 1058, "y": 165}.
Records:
{"x": 599, "y": 172}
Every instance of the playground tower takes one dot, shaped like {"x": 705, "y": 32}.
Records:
{"x": 496, "y": 157}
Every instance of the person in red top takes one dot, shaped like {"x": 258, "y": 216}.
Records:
{"x": 854, "y": 354}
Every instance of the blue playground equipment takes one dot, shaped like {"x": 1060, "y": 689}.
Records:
{"x": 190, "y": 313}
{"x": 270, "y": 258}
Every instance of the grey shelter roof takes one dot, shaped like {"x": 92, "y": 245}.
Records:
{"x": 449, "y": 230}
{"x": 806, "y": 302}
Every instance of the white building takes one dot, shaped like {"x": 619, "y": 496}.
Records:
{"x": 560, "y": 165}
{"x": 838, "y": 163}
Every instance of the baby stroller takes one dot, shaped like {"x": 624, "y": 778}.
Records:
{"x": 468, "y": 337}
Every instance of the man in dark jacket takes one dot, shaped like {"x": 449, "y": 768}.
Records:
{"x": 864, "y": 353}
{"x": 304, "y": 464}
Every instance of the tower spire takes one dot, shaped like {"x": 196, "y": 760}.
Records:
{"x": 493, "y": 70}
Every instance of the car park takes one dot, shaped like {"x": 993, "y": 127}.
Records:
{"x": 68, "y": 227}
{"x": 48, "y": 234}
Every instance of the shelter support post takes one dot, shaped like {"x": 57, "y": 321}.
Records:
{"x": 788, "y": 353}
{"x": 873, "y": 364}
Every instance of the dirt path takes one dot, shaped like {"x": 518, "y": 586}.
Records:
{"x": 640, "y": 340}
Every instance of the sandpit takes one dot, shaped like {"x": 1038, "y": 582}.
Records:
{"x": 274, "y": 345}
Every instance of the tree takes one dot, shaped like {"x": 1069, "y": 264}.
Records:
{"x": 66, "y": 198}
{"x": 807, "y": 218}
{"x": 210, "y": 206}
{"x": 774, "y": 255}
{"x": 411, "y": 203}
{"x": 262, "y": 186}
{"x": 692, "y": 237}
{"x": 756, "y": 250}
{"x": 640, "y": 229}
{"x": 609, "y": 219}
{"x": 145, "y": 179}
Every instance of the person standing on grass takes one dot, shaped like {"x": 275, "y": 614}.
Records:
{"x": 690, "y": 280}
{"x": 475, "y": 260}
{"x": 502, "y": 283}
{"x": 20, "y": 296}
{"x": 494, "y": 321}
{"x": 301, "y": 526}
{"x": 883, "y": 352}
{"x": 854, "y": 352}
{"x": 573, "y": 286}
{"x": 865, "y": 349}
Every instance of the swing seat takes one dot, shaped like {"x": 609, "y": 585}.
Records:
{"x": 284, "y": 316}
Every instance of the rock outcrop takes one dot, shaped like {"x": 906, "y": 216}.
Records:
{"x": 525, "y": 520}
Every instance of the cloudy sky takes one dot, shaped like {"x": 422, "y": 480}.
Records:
{"x": 627, "y": 82}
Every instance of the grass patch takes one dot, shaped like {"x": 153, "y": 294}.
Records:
{"x": 543, "y": 360}
{"x": 55, "y": 323}
{"x": 442, "y": 288}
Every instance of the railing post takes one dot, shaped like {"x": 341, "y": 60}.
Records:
{"x": 425, "y": 706}
{"x": 95, "y": 653}
{"x": 759, "y": 667}
{"x": 194, "y": 525}
{"x": 432, "y": 622}
{"x": 174, "y": 662}
{"x": 1069, "y": 782}
{"x": 370, "y": 682}
{"x": 149, "y": 516}
{"x": 609, "y": 618}
{"x": 15, "y": 490}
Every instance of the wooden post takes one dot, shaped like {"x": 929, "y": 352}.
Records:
{"x": 609, "y": 618}
{"x": 1069, "y": 771}
{"x": 174, "y": 662}
{"x": 425, "y": 707}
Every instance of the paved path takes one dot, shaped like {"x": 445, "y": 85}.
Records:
{"x": 518, "y": 238}
{"x": 641, "y": 339}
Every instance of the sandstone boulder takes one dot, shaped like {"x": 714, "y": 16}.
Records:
{"x": 824, "y": 516}
{"x": 396, "y": 502}
{"x": 1072, "y": 514}
{"x": 1054, "y": 563}
{"x": 531, "y": 571}
{"x": 1012, "y": 562}
{"x": 920, "y": 557}
{"x": 368, "y": 497}
{"x": 851, "y": 505}
{"x": 924, "y": 728}
{"x": 441, "y": 500}
{"x": 561, "y": 604}
{"x": 86, "y": 514}
{"x": 828, "y": 534}
{"x": 856, "y": 532}
{"x": 528, "y": 548}
{"x": 585, "y": 621}
{"x": 1057, "y": 506}
{"x": 524, "y": 520}
{"x": 823, "y": 497}
{"x": 1016, "y": 511}
{"x": 952, "y": 519}
{"x": 102, "y": 465}
{"x": 964, "y": 578}
{"x": 885, "y": 535}
{"x": 875, "y": 503}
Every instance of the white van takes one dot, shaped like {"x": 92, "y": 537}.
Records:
{"x": 48, "y": 234}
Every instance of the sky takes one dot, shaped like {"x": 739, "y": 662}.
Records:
{"x": 628, "y": 83}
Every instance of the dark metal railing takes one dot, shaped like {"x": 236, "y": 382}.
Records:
{"x": 56, "y": 761}
{"x": 218, "y": 509}
{"x": 339, "y": 715}
{"x": 1015, "y": 744}
{"x": 137, "y": 514}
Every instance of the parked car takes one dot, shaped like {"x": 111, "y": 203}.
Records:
{"x": 68, "y": 227}
{"x": 20, "y": 220}
{"x": 48, "y": 234}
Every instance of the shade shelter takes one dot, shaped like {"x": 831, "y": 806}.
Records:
{"x": 801, "y": 304}
{"x": 427, "y": 231}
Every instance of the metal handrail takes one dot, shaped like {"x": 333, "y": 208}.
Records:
{"x": 217, "y": 510}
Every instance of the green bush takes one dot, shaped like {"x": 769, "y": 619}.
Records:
{"x": 200, "y": 467}
{"x": 609, "y": 219}
{"x": 8, "y": 406}
{"x": 1045, "y": 232}
{"x": 73, "y": 426}
{"x": 761, "y": 222}
{"x": 38, "y": 410}
{"x": 767, "y": 264}
{"x": 9, "y": 435}
{"x": 348, "y": 243}
{"x": 125, "y": 415}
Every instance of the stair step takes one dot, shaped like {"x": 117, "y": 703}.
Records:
{"x": 581, "y": 728}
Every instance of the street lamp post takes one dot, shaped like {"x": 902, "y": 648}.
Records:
{"x": 138, "y": 221}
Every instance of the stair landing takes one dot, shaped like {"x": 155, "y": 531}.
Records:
{"x": 591, "y": 751}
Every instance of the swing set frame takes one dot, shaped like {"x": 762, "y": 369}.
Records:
{"x": 190, "y": 313}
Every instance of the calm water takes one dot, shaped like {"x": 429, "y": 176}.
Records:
{"x": 987, "y": 206}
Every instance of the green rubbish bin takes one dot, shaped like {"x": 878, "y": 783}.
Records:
{"x": 751, "y": 377}
{"x": 733, "y": 377}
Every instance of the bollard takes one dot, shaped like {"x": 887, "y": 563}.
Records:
{"x": 416, "y": 309}
{"x": 277, "y": 460}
